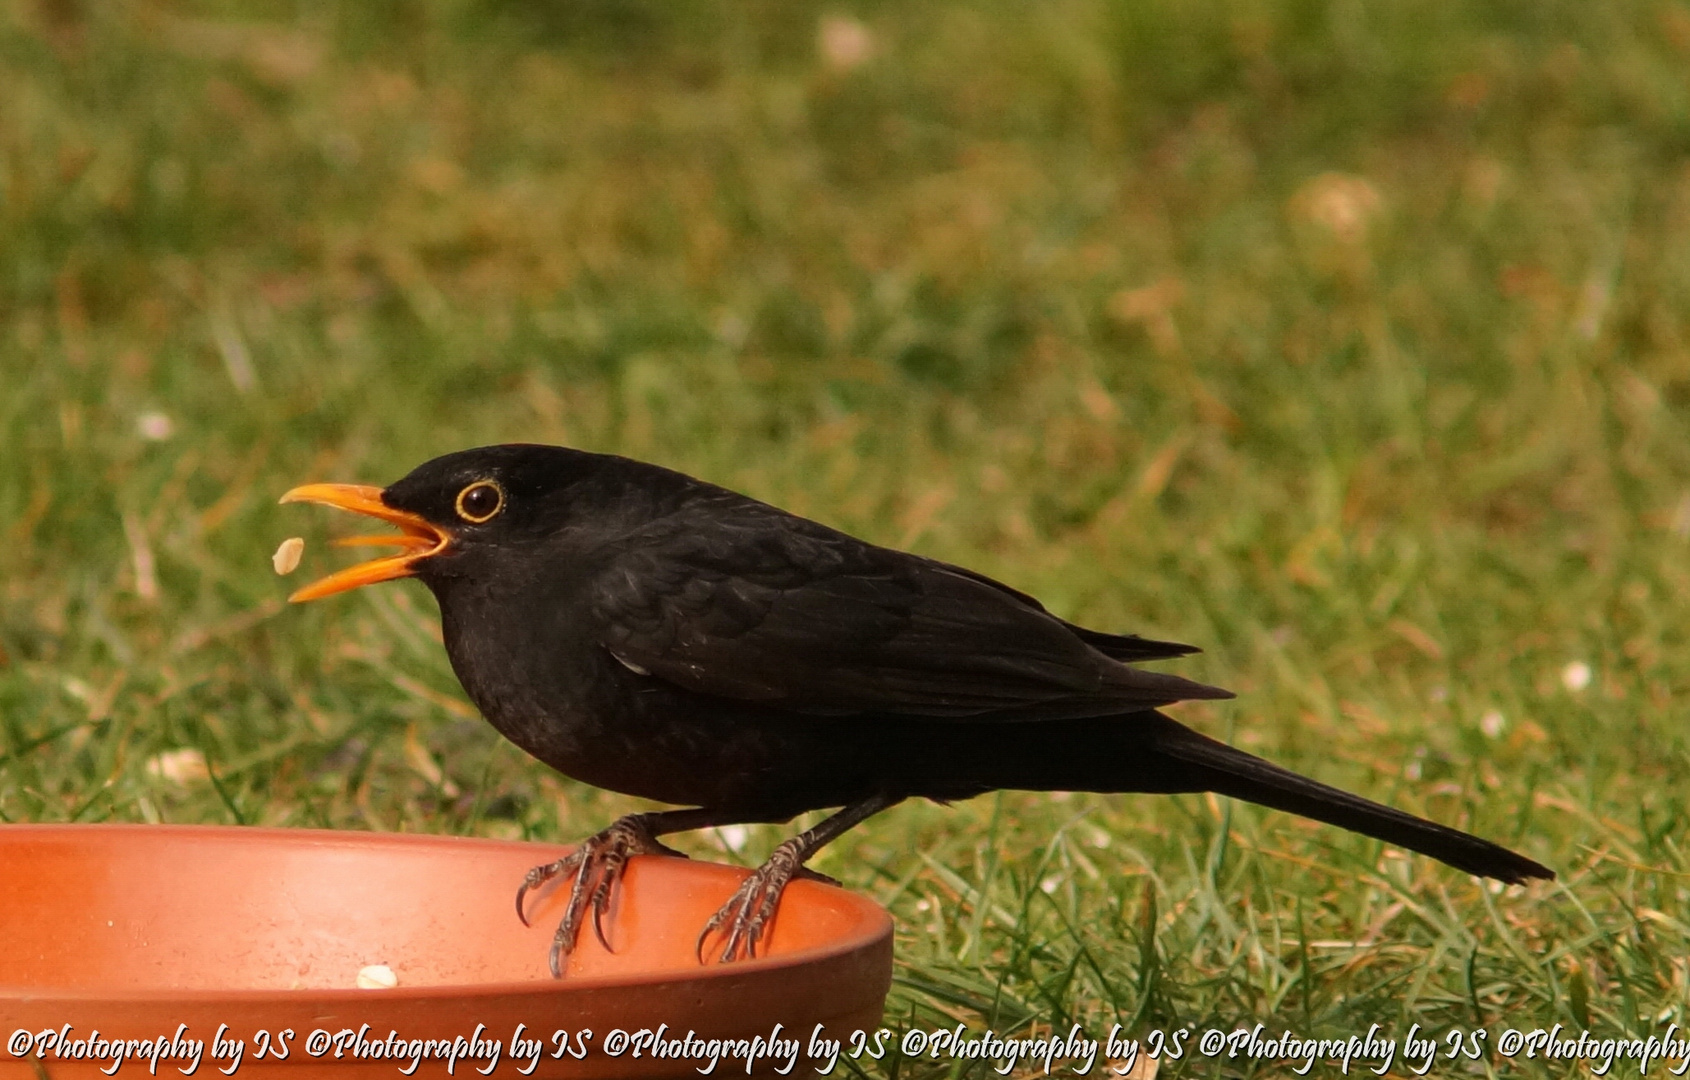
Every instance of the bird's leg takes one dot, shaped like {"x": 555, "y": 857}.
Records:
{"x": 597, "y": 864}
{"x": 747, "y": 914}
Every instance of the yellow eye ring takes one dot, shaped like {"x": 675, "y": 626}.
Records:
{"x": 481, "y": 501}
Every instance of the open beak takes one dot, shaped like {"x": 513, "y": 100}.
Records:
{"x": 419, "y": 539}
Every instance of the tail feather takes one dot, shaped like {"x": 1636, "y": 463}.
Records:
{"x": 1228, "y": 771}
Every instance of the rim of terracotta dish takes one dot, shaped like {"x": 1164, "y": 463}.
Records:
{"x": 872, "y": 925}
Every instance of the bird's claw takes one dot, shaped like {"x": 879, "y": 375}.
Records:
{"x": 748, "y": 912}
{"x": 542, "y": 874}
{"x": 598, "y": 864}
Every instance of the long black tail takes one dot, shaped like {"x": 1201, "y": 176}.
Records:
{"x": 1224, "y": 770}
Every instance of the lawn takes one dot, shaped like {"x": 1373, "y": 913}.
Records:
{"x": 1350, "y": 342}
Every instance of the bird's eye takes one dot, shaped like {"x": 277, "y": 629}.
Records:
{"x": 480, "y": 501}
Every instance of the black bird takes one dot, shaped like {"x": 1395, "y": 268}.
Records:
{"x": 649, "y": 633}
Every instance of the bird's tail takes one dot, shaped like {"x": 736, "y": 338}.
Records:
{"x": 1215, "y": 766}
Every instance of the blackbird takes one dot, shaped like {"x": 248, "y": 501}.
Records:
{"x": 643, "y": 631}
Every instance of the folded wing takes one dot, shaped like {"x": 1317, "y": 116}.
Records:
{"x": 811, "y": 620}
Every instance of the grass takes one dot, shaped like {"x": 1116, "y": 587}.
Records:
{"x": 1350, "y": 342}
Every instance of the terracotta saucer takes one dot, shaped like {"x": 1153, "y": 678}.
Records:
{"x": 132, "y": 932}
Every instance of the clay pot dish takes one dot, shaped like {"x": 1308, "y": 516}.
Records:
{"x": 134, "y": 930}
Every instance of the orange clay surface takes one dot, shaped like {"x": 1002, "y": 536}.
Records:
{"x": 135, "y": 930}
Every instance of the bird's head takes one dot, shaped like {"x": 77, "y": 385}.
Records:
{"x": 495, "y": 499}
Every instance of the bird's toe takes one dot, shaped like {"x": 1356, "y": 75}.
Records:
{"x": 747, "y": 915}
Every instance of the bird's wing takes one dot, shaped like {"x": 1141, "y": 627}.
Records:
{"x": 798, "y": 617}
{"x": 1118, "y": 646}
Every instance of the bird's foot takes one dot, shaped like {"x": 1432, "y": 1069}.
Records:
{"x": 596, "y": 864}
{"x": 748, "y": 912}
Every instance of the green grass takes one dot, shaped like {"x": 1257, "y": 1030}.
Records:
{"x": 1348, "y": 341}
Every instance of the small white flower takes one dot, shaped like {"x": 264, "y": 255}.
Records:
{"x": 1576, "y": 676}
{"x": 154, "y": 426}
{"x": 1344, "y": 205}
{"x": 844, "y": 42}
{"x": 1493, "y": 723}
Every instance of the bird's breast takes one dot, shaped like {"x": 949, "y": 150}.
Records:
{"x": 547, "y": 684}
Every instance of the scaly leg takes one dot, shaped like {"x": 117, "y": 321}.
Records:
{"x": 597, "y": 865}
{"x": 749, "y": 910}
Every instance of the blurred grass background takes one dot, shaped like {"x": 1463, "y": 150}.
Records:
{"x": 1348, "y": 341}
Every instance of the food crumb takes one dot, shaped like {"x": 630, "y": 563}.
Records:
{"x": 377, "y": 977}
{"x": 286, "y": 558}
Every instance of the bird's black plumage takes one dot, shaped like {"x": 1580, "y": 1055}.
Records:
{"x": 656, "y": 635}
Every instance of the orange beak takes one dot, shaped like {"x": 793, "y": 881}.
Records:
{"x": 419, "y": 538}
